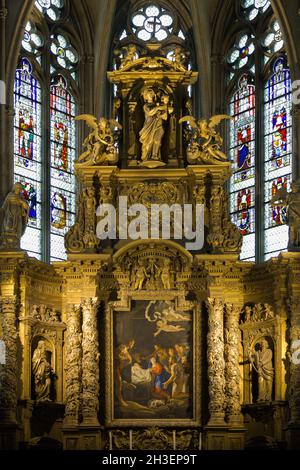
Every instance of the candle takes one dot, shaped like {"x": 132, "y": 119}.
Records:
{"x": 200, "y": 440}
{"x": 130, "y": 439}
{"x": 174, "y": 440}
{"x": 110, "y": 440}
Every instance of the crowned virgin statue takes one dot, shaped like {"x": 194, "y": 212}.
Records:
{"x": 153, "y": 131}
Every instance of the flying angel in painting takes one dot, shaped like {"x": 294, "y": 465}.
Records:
{"x": 163, "y": 325}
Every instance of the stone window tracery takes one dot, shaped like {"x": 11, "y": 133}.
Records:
{"x": 46, "y": 83}
{"x": 260, "y": 136}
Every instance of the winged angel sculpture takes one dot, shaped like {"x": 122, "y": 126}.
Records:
{"x": 101, "y": 143}
{"x": 204, "y": 142}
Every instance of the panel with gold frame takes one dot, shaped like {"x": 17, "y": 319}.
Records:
{"x": 152, "y": 363}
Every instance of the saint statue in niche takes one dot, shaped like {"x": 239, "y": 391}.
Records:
{"x": 261, "y": 361}
{"x": 42, "y": 372}
{"x": 153, "y": 131}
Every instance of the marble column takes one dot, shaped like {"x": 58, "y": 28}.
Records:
{"x": 216, "y": 363}
{"x": 232, "y": 370}
{"x": 9, "y": 370}
{"x": 90, "y": 362}
{"x": 73, "y": 367}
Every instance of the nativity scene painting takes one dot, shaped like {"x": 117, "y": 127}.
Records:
{"x": 153, "y": 362}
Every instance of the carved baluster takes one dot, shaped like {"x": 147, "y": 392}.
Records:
{"x": 90, "y": 362}
{"x": 216, "y": 363}
{"x": 232, "y": 371}
{"x": 9, "y": 370}
{"x": 73, "y": 369}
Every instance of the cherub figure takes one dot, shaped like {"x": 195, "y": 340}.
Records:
{"x": 131, "y": 55}
{"x": 140, "y": 276}
{"x": 177, "y": 57}
{"x": 205, "y": 143}
{"x": 101, "y": 142}
{"x": 163, "y": 325}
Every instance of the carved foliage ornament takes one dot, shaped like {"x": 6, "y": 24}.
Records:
{"x": 8, "y": 371}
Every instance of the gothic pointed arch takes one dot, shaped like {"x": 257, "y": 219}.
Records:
{"x": 49, "y": 90}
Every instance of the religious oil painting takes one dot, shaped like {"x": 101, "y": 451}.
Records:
{"x": 153, "y": 362}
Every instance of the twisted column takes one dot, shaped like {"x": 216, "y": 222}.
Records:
{"x": 232, "y": 370}
{"x": 90, "y": 362}
{"x": 73, "y": 368}
{"x": 9, "y": 370}
{"x": 294, "y": 384}
{"x": 216, "y": 363}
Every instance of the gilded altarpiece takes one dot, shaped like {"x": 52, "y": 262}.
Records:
{"x": 144, "y": 344}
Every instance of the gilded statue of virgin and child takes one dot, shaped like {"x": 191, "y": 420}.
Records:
{"x": 156, "y": 111}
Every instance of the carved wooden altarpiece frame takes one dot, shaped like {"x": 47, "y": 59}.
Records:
{"x": 124, "y": 305}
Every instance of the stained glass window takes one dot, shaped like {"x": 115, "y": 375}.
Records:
{"x": 27, "y": 150}
{"x": 52, "y": 9}
{"x": 260, "y": 139}
{"x": 152, "y": 22}
{"x": 242, "y": 51}
{"x": 278, "y": 153}
{"x": 62, "y": 109}
{"x": 242, "y": 154}
{"x": 253, "y": 8}
{"x": 43, "y": 160}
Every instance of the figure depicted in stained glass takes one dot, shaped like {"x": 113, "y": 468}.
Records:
{"x": 279, "y": 88}
{"x": 58, "y": 211}
{"x": 29, "y": 194}
{"x": 61, "y": 112}
{"x": 25, "y": 84}
{"x": 279, "y": 211}
{"x": 26, "y": 106}
{"x": 61, "y": 137}
{"x": 280, "y": 82}
{"x": 25, "y": 135}
{"x": 244, "y": 114}
{"x": 243, "y": 139}
{"x": 13, "y": 218}
{"x": 279, "y": 140}
{"x": 101, "y": 143}
{"x": 243, "y": 204}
